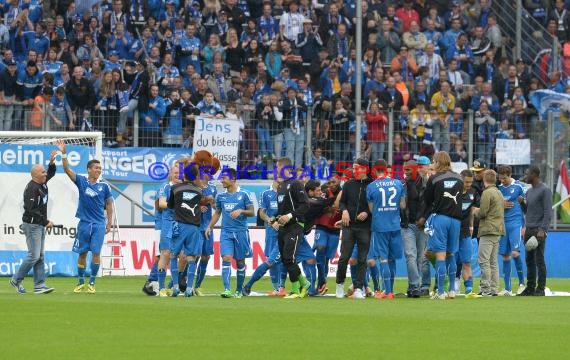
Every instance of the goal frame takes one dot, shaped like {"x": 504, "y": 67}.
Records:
{"x": 96, "y": 135}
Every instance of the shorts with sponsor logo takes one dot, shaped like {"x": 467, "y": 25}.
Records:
{"x": 188, "y": 240}
{"x": 271, "y": 250}
{"x": 389, "y": 244}
{"x": 444, "y": 233}
{"x": 511, "y": 241}
{"x": 327, "y": 239}
{"x": 465, "y": 252}
{"x": 167, "y": 233}
{"x": 235, "y": 244}
{"x": 90, "y": 237}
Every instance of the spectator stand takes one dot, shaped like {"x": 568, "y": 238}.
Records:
{"x": 287, "y": 71}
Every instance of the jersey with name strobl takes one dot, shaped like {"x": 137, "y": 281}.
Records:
{"x": 385, "y": 195}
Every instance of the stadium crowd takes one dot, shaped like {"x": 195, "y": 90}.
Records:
{"x": 271, "y": 64}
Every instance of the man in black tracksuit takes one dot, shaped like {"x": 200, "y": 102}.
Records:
{"x": 479, "y": 167}
{"x": 292, "y": 205}
{"x": 35, "y": 223}
{"x": 355, "y": 226}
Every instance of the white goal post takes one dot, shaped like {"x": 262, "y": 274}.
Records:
{"x": 93, "y": 140}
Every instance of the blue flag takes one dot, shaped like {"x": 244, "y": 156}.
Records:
{"x": 546, "y": 101}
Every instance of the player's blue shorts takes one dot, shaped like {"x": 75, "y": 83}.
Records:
{"x": 328, "y": 240}
{"x": 372, "y": 250}
{"x": 465, "y": 252}
{"x": 271, "y": 250}
{"x": 389, "y": 244}
{"x": 235, "y": 244}
{"x": 207, "y": 243}
{"x": 167, "y": 233}
{"x": 444, "y": 235}
{"x": 511, "y": 241}
{"x": 90, "y": 237}
{"x": 188, "y": 240}
{"x": 304, "y": 251}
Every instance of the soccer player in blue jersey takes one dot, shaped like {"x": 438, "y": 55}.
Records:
{"x": 443, "y": 203}
{"x": 386, "y": 196}
{"x": 185, "y": 200}
{"x": 209, "y": 193}
{"x": 268, "y": 209}
{"x": 514, "y": 196}
{"x": 234, "y": 206}
{"x": 469, "y": 202}
{"x": 95, "y": 201}
{"x": 169, "y": 228}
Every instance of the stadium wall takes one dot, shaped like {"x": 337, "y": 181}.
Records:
{"x": 138, "y": 245}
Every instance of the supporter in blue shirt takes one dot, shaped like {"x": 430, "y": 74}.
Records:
{"x": 151, "y": 118}
{"x": 208, "y": 107}
{"x": 120, "y": 41}
{"x": 29, "y": 82}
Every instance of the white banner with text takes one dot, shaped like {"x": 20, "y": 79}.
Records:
{"x": 218, "y": 136}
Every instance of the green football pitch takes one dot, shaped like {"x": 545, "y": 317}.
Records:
{"x": 120, "y": 322}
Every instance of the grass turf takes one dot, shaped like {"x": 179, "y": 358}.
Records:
{"x": 122, "y": 322}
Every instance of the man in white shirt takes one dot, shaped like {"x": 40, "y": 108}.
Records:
{"x": 291, "y": 23}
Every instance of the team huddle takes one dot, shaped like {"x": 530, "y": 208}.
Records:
{"x": 429, "y": 216}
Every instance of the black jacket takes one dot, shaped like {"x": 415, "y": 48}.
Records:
{"x": 292, "y": 199}
{"x": 288, "y": 108}
{"x": 385, "y": 98}
{"x": 35, "y": 200}
{"x": 8, "y": 83}
{"x": 263, "y": 118}
{"x": 443, "y": 194}
{"x": 353, "y": 199}
{"x": 415, "y": 206}
{"x": 80, "y": 96}
{"x": 317, "y": 207}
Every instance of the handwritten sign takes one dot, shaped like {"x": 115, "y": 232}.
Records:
{"x": 218, "y": 136}
{"x": 513, "y": 152}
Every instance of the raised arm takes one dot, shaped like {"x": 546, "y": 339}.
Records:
{"x": 51, "y": 167}
{"x": 61, "y": 146}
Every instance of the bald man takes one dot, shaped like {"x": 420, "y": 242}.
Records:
{"x": 35, "y": 222}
